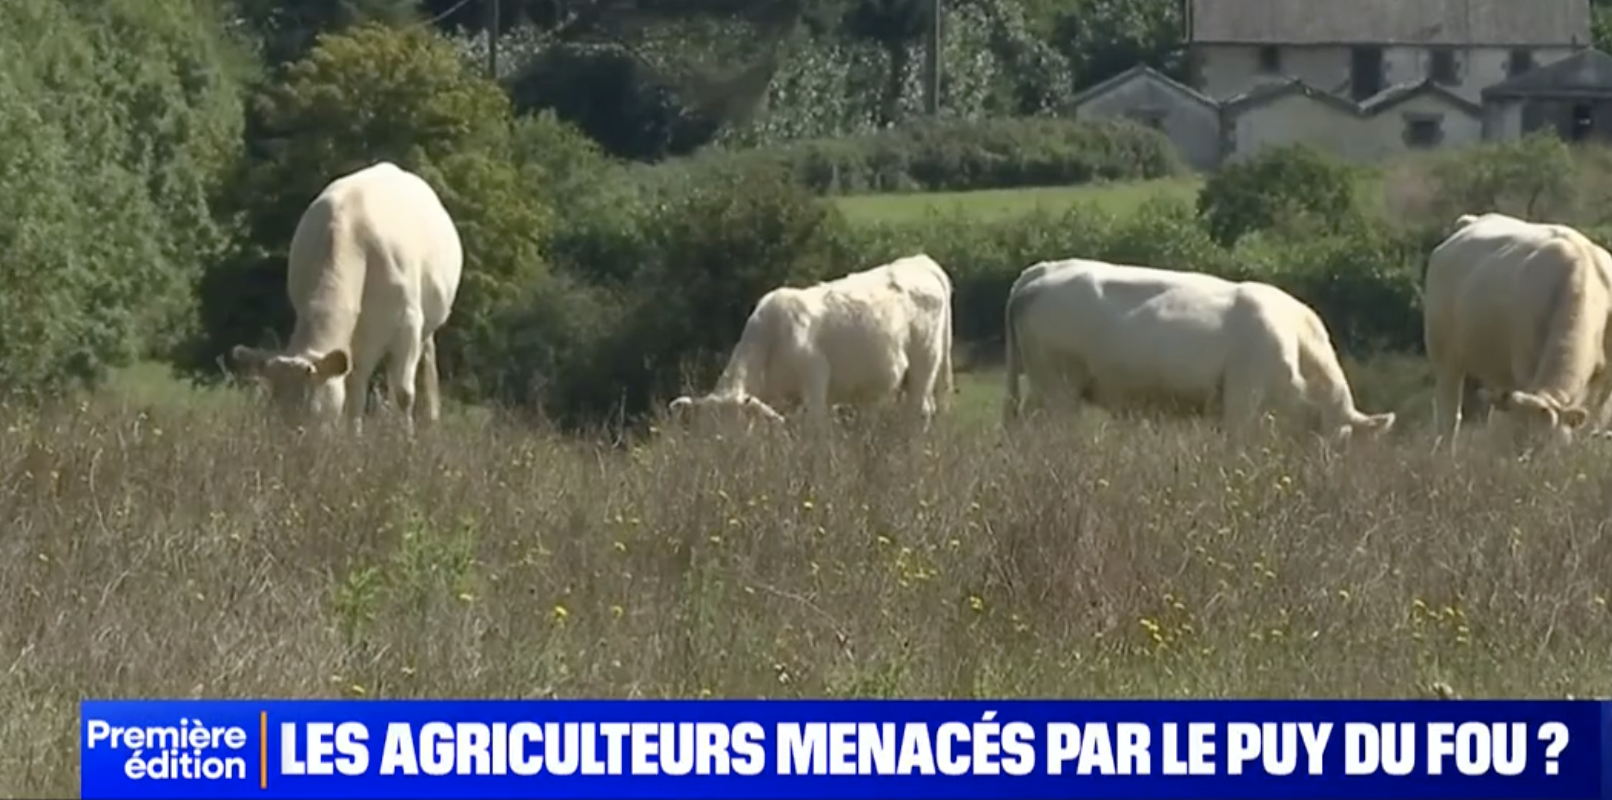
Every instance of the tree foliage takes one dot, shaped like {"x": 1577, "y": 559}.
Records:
{"x": 285, "y": 29}
{"x": 1102, "y": 38}
{"x": 120, "y": 117}
{"x": 1288, "y": 185}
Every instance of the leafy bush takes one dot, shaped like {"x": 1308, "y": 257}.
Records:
{"x": 599, "y": 210}
{"x": 547, "y": 342}
{"x": 1536, "y": 177}
{"x": 830, "y": 85}
{"x": 704, "y": 256}
{"x": 609, "y": 92}
{"x": 1292, "y": 185}
{"x": 503, "y": 226}
{"x": 1361, "y": 283}
{"x": 569, "y": 160}
{"x": 120, "y": 120}
{"x": 954, "y": 155}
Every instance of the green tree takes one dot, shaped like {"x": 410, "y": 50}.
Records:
{"x": 1292, "y": 185}
{"x": 1533, "y": 177}
{"x": 894, "y": 25}
{"x": 121, "y": 118}
{"x": 1102, "y": 38}
{"x": 651, "y": 79}
{"x": 286, "y": 29}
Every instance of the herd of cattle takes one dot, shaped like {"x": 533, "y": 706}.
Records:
{"x": 1523, "y": 308}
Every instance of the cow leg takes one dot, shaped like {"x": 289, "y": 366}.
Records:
{"x": 1598, "y": 400}
{"x": 1068, "y": 387}
{"x": 920, "y": 382}
{"x": 427, "y": 379}
{"x": 1242, "y": 398}
{"x": 357, "y": 403}
{"x": 1239, "y": 410}
{"x": 1447, "y": 396}
{"x": 814, "y": 392}
{"x": 408, "y": 348}
{"x": 946, "y": 380}
{"x": 1046, "y": 382}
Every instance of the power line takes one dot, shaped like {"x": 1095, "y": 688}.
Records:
{"x": 491, "y": 26}
{"x": 444, "y": 15}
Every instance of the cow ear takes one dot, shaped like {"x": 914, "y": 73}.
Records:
{"x": 333, "y": 364}
{"x": 1574, "y": 417}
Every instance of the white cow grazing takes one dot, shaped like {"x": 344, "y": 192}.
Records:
{"x": 1523, "y": 308}
{"x": 374, "y": 267}
{"x": 1127, "y": 337}
{"x": 858, "y": 339}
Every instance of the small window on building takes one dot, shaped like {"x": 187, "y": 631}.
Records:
{"x": 1521, "y": 60}
{"x": 1442, "y": 68}
{"x": 1270, "y": 59}
{"x": 1365, "y": 72}
{"x": 1423, "y": 132}
{"x": 1583, "y": 122}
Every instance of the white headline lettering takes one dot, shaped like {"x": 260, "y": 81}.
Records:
{"x": 988, "y": 746}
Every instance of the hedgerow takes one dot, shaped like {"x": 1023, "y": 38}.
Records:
{"x": 960, "y": 155}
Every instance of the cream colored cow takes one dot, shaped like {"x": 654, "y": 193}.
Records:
{"x": 373, "y": 270}
{"x": 1523, "y": 308}
{"x": 1130, "y": 338}
{"x": 859, "y": 339}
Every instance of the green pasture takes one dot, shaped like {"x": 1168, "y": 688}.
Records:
{"x": 988, "y": 204}
{"x": 996, "y": 204}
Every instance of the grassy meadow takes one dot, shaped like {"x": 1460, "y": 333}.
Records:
{"x": 165, "y": 541}
{"x": 993, "y": 204}
{"x": 1117, "y": 198}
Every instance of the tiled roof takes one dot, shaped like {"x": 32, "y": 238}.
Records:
{"x": 1419, "y": 22}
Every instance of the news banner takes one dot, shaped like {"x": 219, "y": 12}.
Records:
{"x": 887, "y": 749}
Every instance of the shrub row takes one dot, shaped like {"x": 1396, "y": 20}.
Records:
{"x": 959, "y": 155}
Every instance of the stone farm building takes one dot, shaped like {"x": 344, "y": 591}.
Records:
{"x": 1368, "y": 79}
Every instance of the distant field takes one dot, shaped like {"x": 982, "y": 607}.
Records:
{"x": 997, "y": 203}
{"x": 991, "y": 204}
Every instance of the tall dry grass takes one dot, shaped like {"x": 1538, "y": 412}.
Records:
{"x": 198, "y": 553}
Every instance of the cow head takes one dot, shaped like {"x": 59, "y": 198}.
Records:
{"x": 298, "y": 385}
{"x": 1536, "y": 419}
{"x": 743, "y": 408}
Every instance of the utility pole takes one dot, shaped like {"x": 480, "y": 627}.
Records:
{"x": 932, "y": 62}
{"x": 492, "y": 40}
